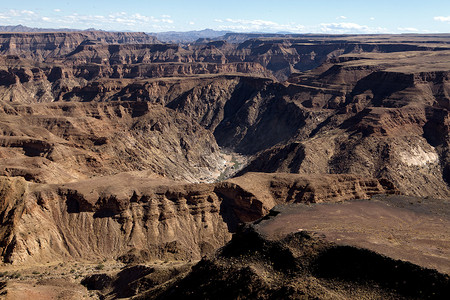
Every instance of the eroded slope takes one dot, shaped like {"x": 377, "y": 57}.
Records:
{"x": 137, "y": 214}
{"x": 65, "y": 142}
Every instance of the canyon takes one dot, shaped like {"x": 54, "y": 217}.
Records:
{"x": 133, "y": 168}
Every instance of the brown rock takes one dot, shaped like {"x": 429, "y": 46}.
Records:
{"x": 107, "y": 217}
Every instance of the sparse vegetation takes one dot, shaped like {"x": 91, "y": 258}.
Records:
{"x": 234, "y": 164}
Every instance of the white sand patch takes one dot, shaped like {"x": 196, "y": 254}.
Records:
{"x": 416, "y": 156}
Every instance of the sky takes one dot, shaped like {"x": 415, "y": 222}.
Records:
{"x": 296, "y": 16}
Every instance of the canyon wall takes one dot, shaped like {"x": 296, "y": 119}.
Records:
{"x": 134, "y": 216}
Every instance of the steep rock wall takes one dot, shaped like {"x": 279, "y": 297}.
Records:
{"x": 41, "y": 46}
{"x": 119, "y": 216}
{"x": 65, "y": 142}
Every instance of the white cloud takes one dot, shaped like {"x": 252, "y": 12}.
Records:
{"x": 407, "y": 29}
{"x": 257, "y": 25}
{"x": 140, "y": 22}
{"x": 349, "y": 28}
{"x": 19, "y": 13}
{"x": 141, "y": 17}
{"x": 28, "y": 12}
{"x": 14, "y": 13}
{"x": 372, "y": 18}
{"x": 271, "y": 26}
{"x": 252, "y": 22}
{"x": 442, "y": 19}
{"x": 341, "y": 18}
{"x": 19, "y": 16}
{"x": 56, "y": 10}
{"x": 113, "y": 21}
{"x": 125, "y": 21}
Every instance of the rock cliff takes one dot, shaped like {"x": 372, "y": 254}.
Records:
{"x": 42, "y": 46}
{"x": 121, "y": 215}
{"x": 62, "y": 142}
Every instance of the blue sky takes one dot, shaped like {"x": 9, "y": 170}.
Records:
{"x": 381, "y": 16}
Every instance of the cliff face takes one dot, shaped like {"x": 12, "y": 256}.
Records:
{"x": 280, "y": 58}
{"x": 65, "y": 142}
{"x": 119, "y": 216}
{"x": 385, "y": 124}
{"x": 25, "y": 81}
{"x": 106, "y": 218}
{"x": 374, "y": 116}
{"x": 253, "y": 195}
{"x": 41, "y": 46}
{"x": 277, "y": 57}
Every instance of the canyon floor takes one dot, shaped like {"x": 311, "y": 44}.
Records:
{"x": 243, "y": 167}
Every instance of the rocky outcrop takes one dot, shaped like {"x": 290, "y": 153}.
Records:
{"x": 134, "y": 214}
{"x": 300, "y": 265}
{"x": 12, "y": 192}
{"x": 252, "y": 195}
{"x": 42, "y": 46}
{"x": 105, "y": 219}
{"x": 22, "y": 81}
{"x": 381, "y": 125}
{"x": 56, "y": 143}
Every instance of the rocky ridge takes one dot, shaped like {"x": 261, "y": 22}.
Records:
{"x": 41, "y": 46}
{"x": 159, "y": 219}
{"x": 63, "y": 142}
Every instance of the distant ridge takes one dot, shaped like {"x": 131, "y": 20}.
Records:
{"x": 21, "y": 28}
{"x": 188, "y": 36}
{"x": 166, "y": 37}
